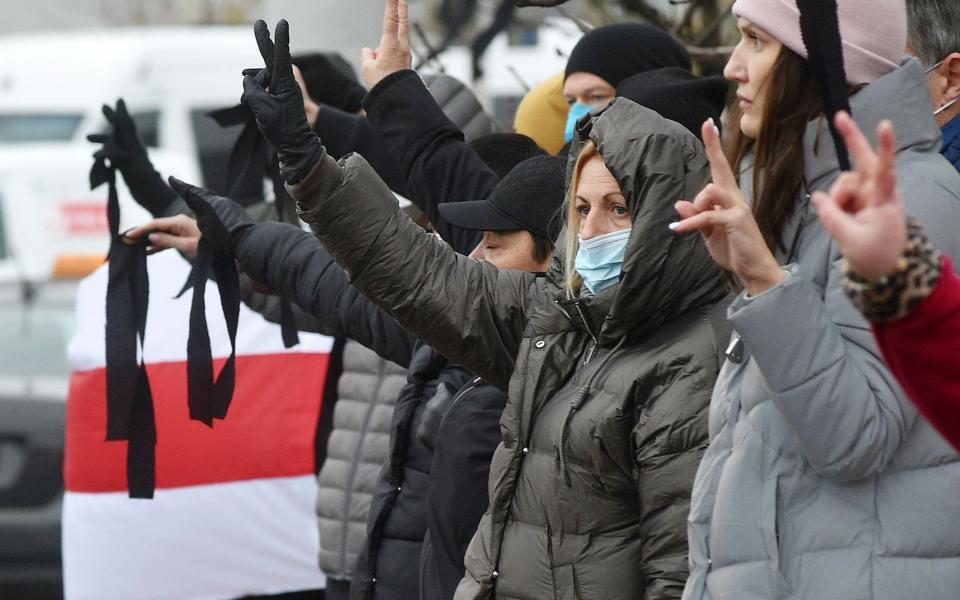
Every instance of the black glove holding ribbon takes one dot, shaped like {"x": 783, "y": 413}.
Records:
{"x": 279, "y": 111}
{"x": 222, "y": 221}
{"x": 127, "y": 153}
{"x": 207, "y": 398}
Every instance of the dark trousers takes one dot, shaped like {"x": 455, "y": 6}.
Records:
{"x": 338, "y": 590}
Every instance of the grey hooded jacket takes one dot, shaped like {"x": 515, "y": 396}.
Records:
{"x": 608, "y": 394}
{"x": 821, "y": 481}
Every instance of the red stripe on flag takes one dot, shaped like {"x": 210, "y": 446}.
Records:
{"x": 269, "y": 430}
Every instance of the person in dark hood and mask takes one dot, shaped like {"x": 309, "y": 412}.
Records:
{"x": 606, "y": 56}
{"x": 608, "y": 389}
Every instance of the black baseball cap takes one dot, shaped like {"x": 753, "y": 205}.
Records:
{"x": 530, "y": 197}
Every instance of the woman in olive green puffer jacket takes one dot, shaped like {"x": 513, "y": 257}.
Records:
{"x": 606, "y": 420}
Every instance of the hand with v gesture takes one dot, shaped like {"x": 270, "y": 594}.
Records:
{"x": 393, "y": 53}
{"x": 726, "y": 222}
{"x": 276, "y": 102}
{"x": 863, "y": 210}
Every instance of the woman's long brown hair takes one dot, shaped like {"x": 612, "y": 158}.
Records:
{"x": 793, "y": 100}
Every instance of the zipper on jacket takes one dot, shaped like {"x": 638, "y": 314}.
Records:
{"x": 477, "y": 382}
{"x": 586, "y": 326}
{"x": 596, "y": 343}
{"x": 577, "y": 595}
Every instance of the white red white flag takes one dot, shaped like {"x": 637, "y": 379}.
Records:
{"x": 233, "y": 512}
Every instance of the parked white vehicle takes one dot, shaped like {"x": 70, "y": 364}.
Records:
{"x": 53, "y": 226}
{"x": 51, "y": 98}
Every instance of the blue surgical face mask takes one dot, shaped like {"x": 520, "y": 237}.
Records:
{"x": 577, "y": 110}
{"x": 600, "y": 259}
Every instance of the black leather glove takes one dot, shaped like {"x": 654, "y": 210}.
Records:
{"x": 223, "y": 222}
{"x": 279, "y": 111}
{"x": 125, "y": 150}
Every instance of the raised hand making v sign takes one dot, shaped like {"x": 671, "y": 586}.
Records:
{"x": 393, "y": 53}
{"x": 864, "y": 211}
{"x": 727, "y": 224}
{"x": 279, "y": 109}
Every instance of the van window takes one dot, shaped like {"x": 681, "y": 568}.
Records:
{"x": 3, "y": 233}
{"x": 214, "y": 144}
{"x": 21, "y": 128}
{"x": 148, "y": 126}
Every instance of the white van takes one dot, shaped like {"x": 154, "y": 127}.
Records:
{"x": 51, "y": 98}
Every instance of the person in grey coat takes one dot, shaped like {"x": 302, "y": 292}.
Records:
{"x": 821, "y": 480}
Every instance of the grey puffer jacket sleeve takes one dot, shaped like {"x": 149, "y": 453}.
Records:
{"x": 467, "y": 310}
{"x": 833, "y": 368}
{"x": 298, "y": 268}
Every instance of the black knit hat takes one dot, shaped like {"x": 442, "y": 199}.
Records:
{"x": 530, "y": 197}
{"x": 678, "y": 95}
{"x": 615, "y": 52}
{"x": 330, "y": 80}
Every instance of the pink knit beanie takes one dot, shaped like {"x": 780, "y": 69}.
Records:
{"x": 874, "y": 32}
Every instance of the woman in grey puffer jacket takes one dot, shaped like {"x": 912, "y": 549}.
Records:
{"x": 821, "y": 481}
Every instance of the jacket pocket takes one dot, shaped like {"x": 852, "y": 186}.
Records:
{"x": 771, "y": 533}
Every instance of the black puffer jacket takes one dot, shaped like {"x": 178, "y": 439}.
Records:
{"x": 388, "y": 566}
{"x": 465, "y": 441}
{"x": 606, "y": 421}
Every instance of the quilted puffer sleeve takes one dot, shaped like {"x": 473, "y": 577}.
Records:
{"x": 669, "y": 438}
{"x": 468, "y": 310}
{"x": 819, "y": 359}
{"x": 294, "y": 264}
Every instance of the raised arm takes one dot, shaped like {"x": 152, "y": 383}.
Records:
{"x": 122, "y": 146}
{"x": 816, "y": 353}
{"x": 343, "y": 133}
{"x": 295, "y": 265}
{"x": 908, "y": 290}
{"x": 436, "y": 162}
{"x": 468, "y": 310}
